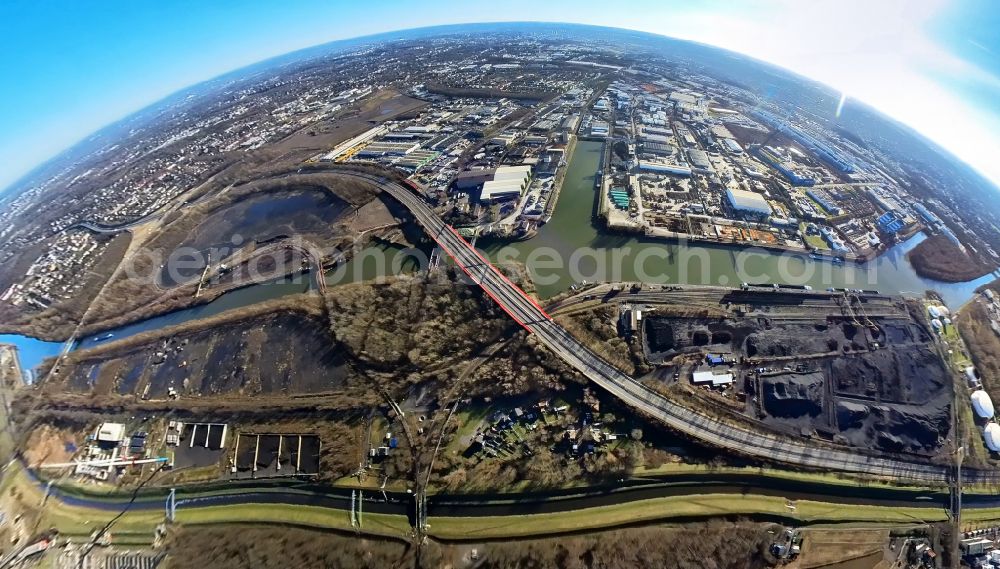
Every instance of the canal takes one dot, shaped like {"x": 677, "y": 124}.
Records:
{"x": 236, "y": 298}
{"x": 379, "y": 259}
{"x": 570, "y": 248}
{"x": 376, "y": 260}
{"x": 573, "y": 247}
{"x": 31, "y": 351}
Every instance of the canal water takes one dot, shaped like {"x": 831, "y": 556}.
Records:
{"x": 376, "y": 260}
{"x": 573, "y": 247}
{"x": 236, "y": 298}
{"x": 379, "y": 259}
{"x": 31, "y": 351}
{"x": 371, "y": 262}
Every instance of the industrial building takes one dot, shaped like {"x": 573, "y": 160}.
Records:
{"x": 110, "y": 433}
{"x": 732, "y": 146}
{"x": 699, "y": 159}
{"x": 655, "y": 139}
{"x": 926, "y": 214}
{"x": 833, "y": 240}
{"x": 817, "y": 147}
{"x": 975, "y": 546}
{"x": 472, "y": 179}
{"x": 890, "y": 223}
{"x": 599, "y": 128}
{"x": 416, "y": 159}
{"x": 362, "y": 138}
{"x": 712, "y": 378}
{"x": 503, "y": 140}
{"x": 571, "y": 123}
{"x": 379, "y": 149}
{"x": 507, "y": 183}
{"x": 748, "y": 202}
{"x": 772, "y": 157}
{"x": 657, "y": 148}
{"x": 664, "y": 167}
{"x": 649, "y": 131}
{"x": 823, "y": 198}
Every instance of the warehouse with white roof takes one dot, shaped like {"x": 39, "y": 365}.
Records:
{"x": 508, "y": 182}
{"x": 748, "y": 202}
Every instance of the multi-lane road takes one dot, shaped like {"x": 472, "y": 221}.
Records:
{"x": 713, "y": 431}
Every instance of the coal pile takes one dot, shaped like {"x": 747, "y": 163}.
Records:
{"x": 894, "y": 428}
{"x": 793, "y": 395}
{"x": 667, "y": 336}
{"x": 659, "y": 334}
{"x": 907, "y": 374}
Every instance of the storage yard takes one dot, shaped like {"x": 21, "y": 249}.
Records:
{"x": 119, "y": 452}
{"x": 854, "y": 368}
{"x": 408, "y": 392}
{"x": 273, "y": 455}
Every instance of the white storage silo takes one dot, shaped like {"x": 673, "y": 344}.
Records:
{"x": 982, "y": 404}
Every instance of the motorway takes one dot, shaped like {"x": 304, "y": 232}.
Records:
{"x": 708, "y": 430}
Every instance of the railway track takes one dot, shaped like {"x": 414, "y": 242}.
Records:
{"x": 709, "y": 430}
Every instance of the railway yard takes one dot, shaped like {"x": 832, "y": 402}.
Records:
{"x": 206, "y": 368}
{"x": 846, "y": 367}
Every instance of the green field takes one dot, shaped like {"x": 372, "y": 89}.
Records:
{"x": 137, "y": 526}
{"x": 308, "y": 516}
{"x": 679, "y": 507}
{"x": 814, "y": 241}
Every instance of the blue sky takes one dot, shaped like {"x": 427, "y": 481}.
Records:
{"x": 71, "y": 67}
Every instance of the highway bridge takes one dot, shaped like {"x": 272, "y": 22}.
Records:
{"x": 709, "y": 430}
{"x": 713, "y": 431}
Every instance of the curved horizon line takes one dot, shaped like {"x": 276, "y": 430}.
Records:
{"x": 37, "y": 169}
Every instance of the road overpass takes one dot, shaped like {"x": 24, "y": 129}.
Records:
{"x": 713, "y": 431}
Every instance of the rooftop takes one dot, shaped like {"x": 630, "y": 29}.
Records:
{"x": 748, "y": 201}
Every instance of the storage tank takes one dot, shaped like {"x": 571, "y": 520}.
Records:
{"x": 936, "y": 324}
{"x": 933, "y": 311}
{"x": 982, "y": 404}
{"x": 992, "y": 437}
